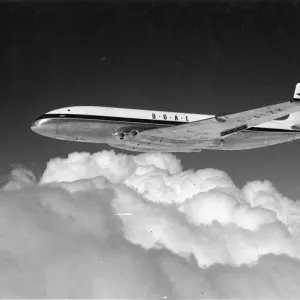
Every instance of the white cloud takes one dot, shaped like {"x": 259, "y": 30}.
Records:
{"x": 118, "y": 226}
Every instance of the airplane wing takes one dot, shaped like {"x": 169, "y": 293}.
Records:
{"x": 220, "y": 127}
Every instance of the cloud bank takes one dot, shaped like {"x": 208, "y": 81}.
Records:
{"x": 109, "y": 225}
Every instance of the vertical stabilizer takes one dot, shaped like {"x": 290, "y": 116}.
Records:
{"x": 297, "y": 92}
{"x": 294, "y": 119}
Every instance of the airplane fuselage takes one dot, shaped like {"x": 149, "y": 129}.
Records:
{"x": 119, "y": 128}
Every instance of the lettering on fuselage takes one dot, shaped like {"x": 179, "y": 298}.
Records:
{"x": 165, "y": 117}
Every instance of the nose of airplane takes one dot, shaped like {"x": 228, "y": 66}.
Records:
{"x": 43, "y": 126}
{"x": 35, "y": 127}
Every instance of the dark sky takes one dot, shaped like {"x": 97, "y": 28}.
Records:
{"x": 186, "y": 56}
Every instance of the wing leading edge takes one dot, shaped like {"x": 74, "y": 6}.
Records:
{"x": 221, "y": 127}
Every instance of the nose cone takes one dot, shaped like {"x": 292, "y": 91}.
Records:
{"x": 35, "y": 127}
{"x": 45, "y": 126}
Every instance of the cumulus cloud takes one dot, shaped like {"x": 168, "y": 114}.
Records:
{"x": 20, "y": 177}
{"x": 109, "y": 225}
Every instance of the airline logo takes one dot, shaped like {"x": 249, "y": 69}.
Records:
{"x": 165, "y": 117}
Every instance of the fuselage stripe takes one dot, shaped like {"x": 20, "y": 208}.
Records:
{"x": 109, "y": 118}
{"x": 143, "y": 121}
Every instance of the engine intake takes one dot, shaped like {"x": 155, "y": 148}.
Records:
{"x": 133, "y": 132}
{"x": 123, "y": 134}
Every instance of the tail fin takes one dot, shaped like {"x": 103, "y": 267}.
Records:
{"x": 297, "y": 93}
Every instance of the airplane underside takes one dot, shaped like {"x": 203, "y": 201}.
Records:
{"x": 238, "y": 141}
{"x": 126, "y": 135}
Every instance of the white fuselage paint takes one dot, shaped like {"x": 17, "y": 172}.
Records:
{"x": 130, "y": 113}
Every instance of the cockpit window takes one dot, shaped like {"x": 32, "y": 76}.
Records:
{"x": 282, "y": 118}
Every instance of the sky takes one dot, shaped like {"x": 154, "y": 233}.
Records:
{"x": 186, "y": 56}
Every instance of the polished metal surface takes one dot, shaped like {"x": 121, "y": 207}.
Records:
{"x": 46, "y": 127}
{"x": 126, "y": 136}
{"x": 82, "y": 130}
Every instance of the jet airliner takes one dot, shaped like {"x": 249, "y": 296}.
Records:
{"x": 160, "y": 131}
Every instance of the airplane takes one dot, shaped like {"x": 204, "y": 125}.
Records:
{"x": 161, "y": 131}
